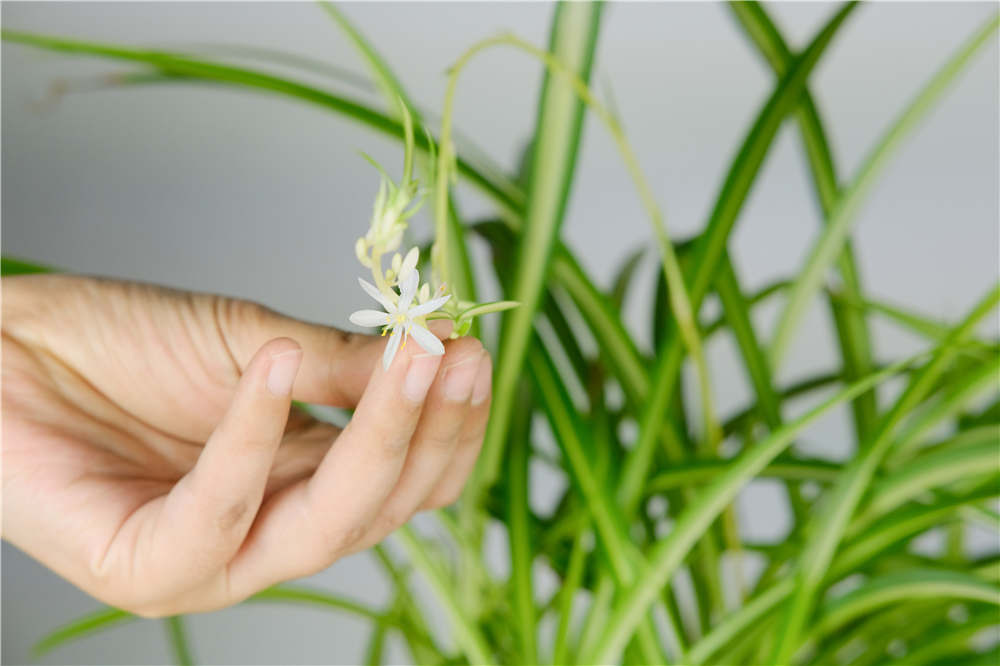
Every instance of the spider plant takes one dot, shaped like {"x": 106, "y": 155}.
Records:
{"x": 844, "y": 585}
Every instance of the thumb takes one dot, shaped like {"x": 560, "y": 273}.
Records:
{"x": 209, "y": 512}
{"x": 336, "y": 364}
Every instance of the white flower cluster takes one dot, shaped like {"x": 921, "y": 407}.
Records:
{"x": 407, "y": 308}
{"x": 405, "y": 301}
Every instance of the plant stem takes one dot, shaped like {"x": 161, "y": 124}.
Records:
{"x": 178, "y": 640}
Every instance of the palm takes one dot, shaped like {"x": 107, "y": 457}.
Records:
{"x": 125, "y": 418}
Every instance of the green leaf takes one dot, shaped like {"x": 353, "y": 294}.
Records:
{"x": 624, "y": 276}
{"x": 831, "y": 241}
{"x": 625, "y": 562}
{"x": 466, "y": 633}
{"x": 990, "y": 657}
{"x": 617, "y": 346}
{"x": 828, "y": 525}
{"x": 418, "y": 638}
{"x": 92, "y": 623}
{"x": 286, "y": 59}
{"x": 703, "y": 471}
{"x": 299, "y": 594}
{"x": 742, "y": 420}
{"x": 505, "y": 193}
{"x": 567, "y": 594}
{"x": 571, "y": 435}
{"x": 985, "y": 415}
{"x": 989, "y": 519}
{"x": 502, "y": 242}
{"x": 736, "y": 624}
{"x": 668, "y": 554}
{"x": 710, "y": 247}
{"x": 875, "y": 539}
{"x": 737, "y": 313}
{"x": 950, "y": 640}
{"x": 902, "y": 586}
{"x": 602, "y": 594}
{"x": 12, "y": 266}
{"x": 866, "y": 640}
{"x": 376, "y": 645}
{"x": 957, "y": 394}
{"x": 557, "y": 137}
{"x": 931, "y": 470}
{"x": 519, "y": 528}
{"x": 390, "y": 86}
{"x": 852, "y": 330}
{"x": 922, "y": 325}
{"x": 899, "y": 526}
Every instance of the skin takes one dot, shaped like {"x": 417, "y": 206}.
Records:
{"x": 151, "y": 458}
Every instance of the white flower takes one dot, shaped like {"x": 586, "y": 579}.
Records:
{"x": 400, "y": 317}
{"x": 400, "y": 267}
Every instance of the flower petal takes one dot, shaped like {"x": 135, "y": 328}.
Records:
{"x": 427, "y": 340}
{"x": 391, "y": 347}
{"x": 369, "y": 318}
{"x": 373, "y": 291}
{"x": 429, "y": 306}
{"x": 408, "y": 264}
{"x": 408, "y": 289}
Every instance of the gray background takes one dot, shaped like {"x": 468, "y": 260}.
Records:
{"x": 259, "y": 197}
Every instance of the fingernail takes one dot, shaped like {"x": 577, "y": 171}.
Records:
{"x": 459, "y": 377}
{"x": 420, "y": 375}
{"x": 484, "y": 381}
{"x": 284, "y": 367}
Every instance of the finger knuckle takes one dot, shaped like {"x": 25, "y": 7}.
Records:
{"x": 392, "y": 519}
{"x": 443, "y": 497}
{"x": 239, "y": 313}
{"x": 338, "y": 542}
{"x": 389, "y": 447}
{"x": 444, "y": 440}
{"x": 232, "y": 516}
{"x": 451, "y": 496}
{"x": 433, "y": 502}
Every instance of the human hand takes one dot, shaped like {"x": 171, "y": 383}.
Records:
{"x": 149, "y": 456}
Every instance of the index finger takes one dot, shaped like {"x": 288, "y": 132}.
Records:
{"x": 306, "y": 527}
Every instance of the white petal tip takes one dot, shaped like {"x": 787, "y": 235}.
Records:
{"x": 369, "y": 318}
